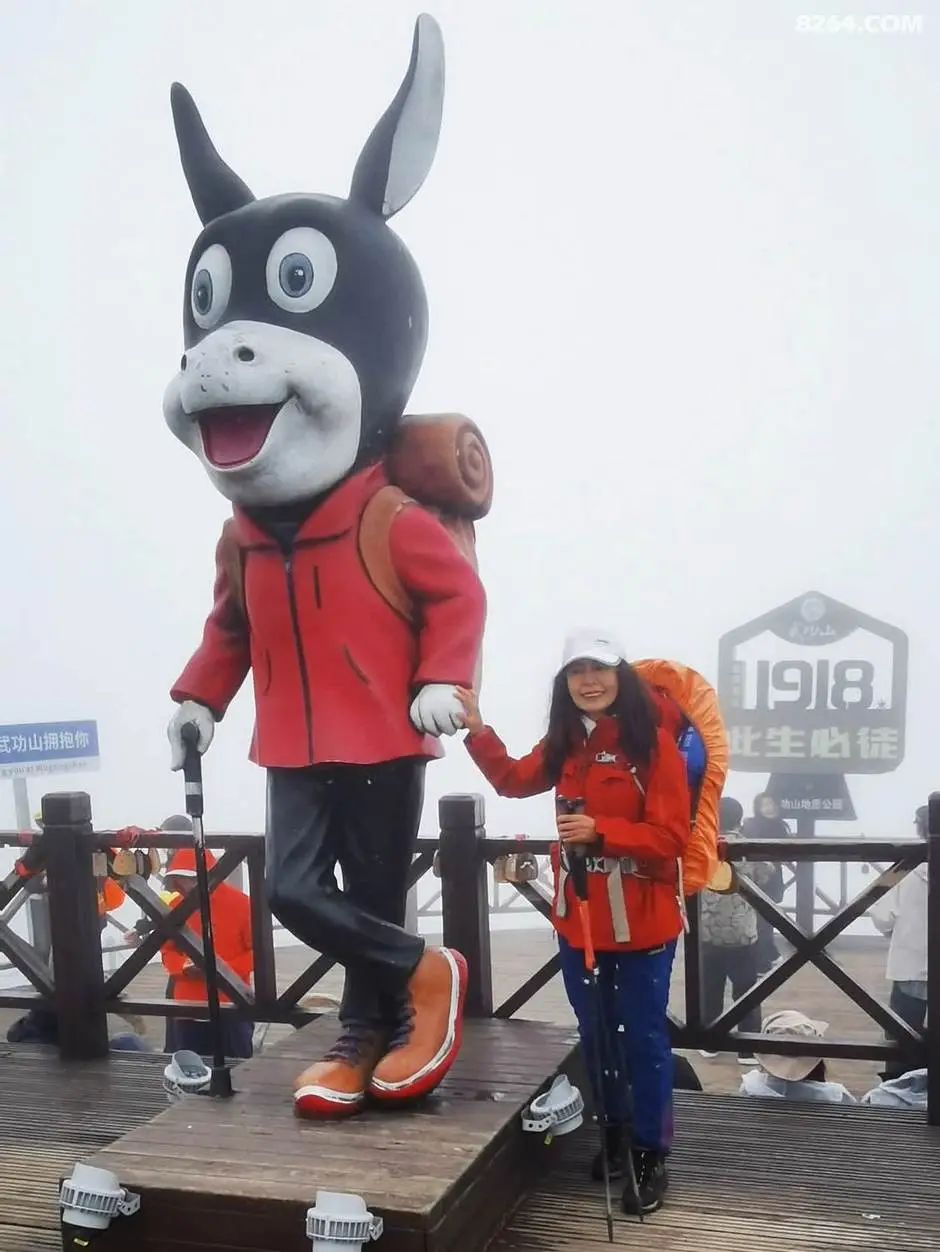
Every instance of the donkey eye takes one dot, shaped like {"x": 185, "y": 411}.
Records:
{"x": 296, "y": 275}
{"x": 301, "y": 269}
{"x": 212, "y": 286}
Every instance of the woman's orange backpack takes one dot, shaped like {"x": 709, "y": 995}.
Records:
{"x": 698, "y": 701}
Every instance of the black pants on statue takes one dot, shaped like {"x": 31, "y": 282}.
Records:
{"x": 737, "y": 965}
{"x": 365, "y": 819}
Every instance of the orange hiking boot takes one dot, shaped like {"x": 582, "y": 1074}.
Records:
{"x": 336, "y": 1085}
{"x": 428, "y": 1042}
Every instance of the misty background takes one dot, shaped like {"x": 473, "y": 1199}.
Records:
{"x": 682, "y": 269}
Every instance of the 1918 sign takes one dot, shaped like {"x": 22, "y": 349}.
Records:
{"x": 814, "y": 687}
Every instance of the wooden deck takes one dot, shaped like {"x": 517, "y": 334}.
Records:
{"x": 239, "y": 1175}
{"x": 748, "y": 1176}
{"x": 755, "y": 1176}
{"x": 52, "y": 1115}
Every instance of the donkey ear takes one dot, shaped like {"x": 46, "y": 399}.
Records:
{"x": 398, "y": 154}
{"x": 215, "y": 188}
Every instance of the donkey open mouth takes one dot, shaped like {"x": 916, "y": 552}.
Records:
{"x": 235, "y": 434}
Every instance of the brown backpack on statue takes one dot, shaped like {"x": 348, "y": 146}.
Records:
{"x": 439, "y": 461}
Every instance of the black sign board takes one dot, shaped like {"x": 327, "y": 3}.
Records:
{"x": 813, "y": 688}
{"x": 823, "y": 796}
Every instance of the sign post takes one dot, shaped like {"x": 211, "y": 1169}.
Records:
{"x": 810, "y": 692}
{"x": 33, "y": 748}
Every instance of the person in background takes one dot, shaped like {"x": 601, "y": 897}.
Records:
{"x": 728, "y": 930}
{"x": 622, "y": 802}
{"x": 794, "y": 1077}
{"x": 907, "y": 1092}
{"x": 767, "y": 824}
{"x": 902, "y": 914}
{"x": 231, "y": 928}
{"x": 41, "y": 1025}
{"x": 684, "y": 1077}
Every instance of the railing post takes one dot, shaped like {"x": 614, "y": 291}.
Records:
{"x": 464, "y": 902}
{"x": 806, "y": 878}
{"x": 933, "y": 960}
{"x": 68, "y": 845}
{"x": 262, "y": 933}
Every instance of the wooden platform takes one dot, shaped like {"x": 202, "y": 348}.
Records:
{"x": 239, "y": 1175}
{"x": 748, "y": 1176}
{"x": 53, "y": 1114}
{"x": 755, "y": 1176}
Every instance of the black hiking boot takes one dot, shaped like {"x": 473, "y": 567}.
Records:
{"x": 651, "y": 1182}
{"x": 613, "y": 1138}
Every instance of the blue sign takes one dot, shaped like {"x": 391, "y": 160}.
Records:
{"x": 48, "y": 748}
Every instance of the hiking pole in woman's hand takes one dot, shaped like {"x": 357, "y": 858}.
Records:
{"x": 577, "y": 870}
{"x": 221, "y": 1081}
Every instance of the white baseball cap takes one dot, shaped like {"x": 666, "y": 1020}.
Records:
{"x": 788, "y": 1023}
{"x": 592, "y": 645}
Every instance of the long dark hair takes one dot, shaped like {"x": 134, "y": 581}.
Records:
{"x": 633, "y": 708}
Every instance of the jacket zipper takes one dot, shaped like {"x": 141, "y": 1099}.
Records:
{"x": 295, "y": 622}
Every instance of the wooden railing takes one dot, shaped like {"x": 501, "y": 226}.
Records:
{"x": 82, "y": 994}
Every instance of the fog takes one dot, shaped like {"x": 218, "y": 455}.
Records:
{"x": 681, "y": 263}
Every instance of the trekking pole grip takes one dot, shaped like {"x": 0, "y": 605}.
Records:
{"x": 192, "y": 769}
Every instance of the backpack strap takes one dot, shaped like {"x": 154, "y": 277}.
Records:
{"x": 375, "y": 527}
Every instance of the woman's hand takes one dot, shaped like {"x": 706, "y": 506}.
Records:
{"x": 576, "y": 828}
{"x": 471, "y": 706}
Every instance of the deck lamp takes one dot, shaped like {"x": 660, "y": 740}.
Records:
{"x": 340, "y": 1222}
{"x": 90, "y": 1199}
{"x": 557, "y": 1111}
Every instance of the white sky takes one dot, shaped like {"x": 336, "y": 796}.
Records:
{"x": 682, "y": 268}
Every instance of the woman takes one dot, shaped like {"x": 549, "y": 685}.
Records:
{"x": 728, "y": 935}
{"x": 794, "y": 1077}
{"x": 767, "y": 824}
{"x": 231, "y": 928}
{"x": 902, "y": 915}
{"x": 608, "y": 758}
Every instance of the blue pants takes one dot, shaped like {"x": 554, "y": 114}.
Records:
{"x": 635, "y": 1049}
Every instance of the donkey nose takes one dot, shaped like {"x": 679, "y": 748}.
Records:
{"x": 183, "y": 363}
{"x": 244, "y": 353}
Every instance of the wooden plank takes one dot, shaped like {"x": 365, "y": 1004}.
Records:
{"x": 748, "y": 1173}
{"x": 457, "y": 1157}
{"x": 53, "y": 1113}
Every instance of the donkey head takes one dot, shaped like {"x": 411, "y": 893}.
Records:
{"x": 305, "y": 318}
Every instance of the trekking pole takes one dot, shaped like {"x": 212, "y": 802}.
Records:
{"x": 577, "y": 868}
{"x": 220, "y": 1083}
{"x": 601, "y": 1032}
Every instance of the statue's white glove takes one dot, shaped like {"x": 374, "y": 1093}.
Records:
{"x": 189, "y": 712}
{"x": 437, "y": 710}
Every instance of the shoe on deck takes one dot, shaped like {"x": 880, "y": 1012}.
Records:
{"x": 614, "y": 1141}
{"x": 427, "y": 1043}
{"x": 336, "y": 1085}
{"x": 652, "y": 1181}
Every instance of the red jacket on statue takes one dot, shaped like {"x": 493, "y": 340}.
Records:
{"x": 335, "y": 667}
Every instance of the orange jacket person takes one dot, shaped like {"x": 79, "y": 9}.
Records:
{"x": 231, "y": 925}
{"x": 622, "y": 781}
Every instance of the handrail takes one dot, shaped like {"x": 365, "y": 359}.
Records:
{"x": 466, "y": 854}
